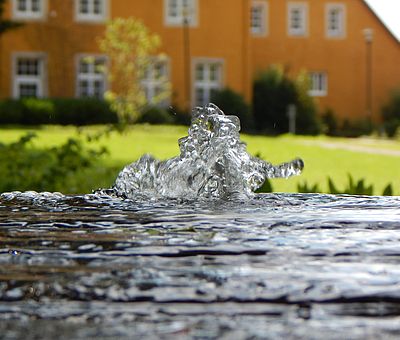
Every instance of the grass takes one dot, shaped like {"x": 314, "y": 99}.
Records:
{"x": 377, "y": 161}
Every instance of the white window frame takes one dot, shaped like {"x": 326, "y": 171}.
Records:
{"x": 29, "y": 13}
{"x": 259, "y": 25}
{"x": 151, "y": 83}
{"x": 206, "y": 84}
{"x": 318, "y": 84}
{"x": 92, "y": 17}
{"x": 191, "y": 11}
{"x": 302, "y": 9}
{"x": 90, "y": 77}
{"x": 39, "y": 80}
{"x": 340, "y": 31}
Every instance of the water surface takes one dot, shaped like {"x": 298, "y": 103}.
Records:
{"x": 274, "y": 266}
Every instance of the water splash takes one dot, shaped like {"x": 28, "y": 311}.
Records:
{"x": 213, "y": 163}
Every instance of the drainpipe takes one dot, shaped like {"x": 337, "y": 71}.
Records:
{"x": 368, "y": 36}
{"x": 186, "y": 58}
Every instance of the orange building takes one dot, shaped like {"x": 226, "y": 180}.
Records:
{"x": 351, "y": 57}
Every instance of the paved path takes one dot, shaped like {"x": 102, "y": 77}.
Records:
{"x": 351, "y": 147}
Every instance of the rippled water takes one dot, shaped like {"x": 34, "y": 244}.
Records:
{"x": 274, "y": 266}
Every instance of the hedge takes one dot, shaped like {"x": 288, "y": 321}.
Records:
{"x": 61, "y": 111}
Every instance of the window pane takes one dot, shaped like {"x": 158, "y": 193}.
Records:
{"x": 200, "y": 97}
{"x": 257, "y": 19}
{"x": 83, "y": 67}
{"x": 21, "y": 5}
{"x": 28, "y": 90}
{"x": 296, "y": 19}
{"x": 98, "y": 66}
{"x": 97, "y": 7}
{"x": 199, "y": 72}
{"x": 173, "y": 10}
{"x": 98, "y": 89}
{"x": 29, "y": 67}
{"x": 333, "y": 20}
{"x": 154, "y": 82}
{"x": 35, "y": 5}
{"x": 83, "y": 88}
{"x": 318, "y": 84}
{"x": 159, "y": 71}
{"x": 214, "y": 70}
{"x": 84, "y": 6}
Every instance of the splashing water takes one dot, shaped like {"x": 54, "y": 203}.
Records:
{"x": 213, "y": 163}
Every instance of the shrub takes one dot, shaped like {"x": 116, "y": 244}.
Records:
{"x": 11, "y": 111}
{"x": 234, "y": 104}
{"x": 37, "y": 111}
{"x": 64, "y": 111}
{"x": 83, "y": 111}
{"x": 273, "y": 91}
{"x": 391, "y": 113}
{"x": 181, "y": 117}
{"x": 356, "y": 128}
{"x": 330, "y": 123}
{"x": 156, "y": 115}
{"x": 23, "y": 167}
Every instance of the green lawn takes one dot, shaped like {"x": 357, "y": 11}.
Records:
{"x": 377, "y": 161}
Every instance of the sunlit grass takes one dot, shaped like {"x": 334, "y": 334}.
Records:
{"x": 324, "y": 157}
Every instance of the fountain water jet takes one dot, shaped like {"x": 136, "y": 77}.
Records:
{"x": 213, "y": 163}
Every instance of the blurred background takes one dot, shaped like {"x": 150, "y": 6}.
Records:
{"x": 289, "y": 69}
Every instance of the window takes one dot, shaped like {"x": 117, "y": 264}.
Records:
{"x": 28, "y": 75}
{"x": 297, "y": 19}
{"x": 335, "y": 21}
{"x": 177, "y": 11}
{"x": 207, "y": 78}
{"x": 155, "y": 82}
{"x": 91, "y": 10}
{"x": 258, "y": 18}
{"x": 28, "y": 9}
{"x": 91, "y": 78}
{"x": 318, "y": 84}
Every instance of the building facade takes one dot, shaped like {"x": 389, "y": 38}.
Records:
{"x": 351, "y": 57}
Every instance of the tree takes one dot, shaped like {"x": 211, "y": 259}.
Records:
{"x": 131, "y": 49}
{"x": 273, "y": 91}
{"x": 233, "y": 103}
{"x": 391, "y": 113}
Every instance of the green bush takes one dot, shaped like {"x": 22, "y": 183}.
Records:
{"x": 356, "y": 128}
{"x": 233, "y": 103}
{"x": 64, "y": 111}
{"x": 23, "y": 167}
{"x": 181, "y": 117}
{"x": 83, "y": 111}
{"x": 11, "y": 111}
{"x": 330, "y": 123}
{"x": 273, "y": 92}
{"x": 391, "y": 113}
{"x": 156, "y": 115}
